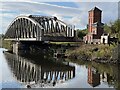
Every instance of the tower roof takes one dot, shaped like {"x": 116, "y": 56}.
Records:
{"x": 95, "y": 8}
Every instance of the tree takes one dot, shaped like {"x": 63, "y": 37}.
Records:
{"x": 107, "y": 29}
{"x": 82, "y": 33}
{"x": 117, "y": 28}
{"x": 113, "y": 29}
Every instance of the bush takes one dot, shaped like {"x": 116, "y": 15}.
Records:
{"x": 92, "y": 51}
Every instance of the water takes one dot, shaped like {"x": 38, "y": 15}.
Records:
{"x": 36, "y": 71}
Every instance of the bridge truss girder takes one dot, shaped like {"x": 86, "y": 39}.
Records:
{"x": 37, "y": 27}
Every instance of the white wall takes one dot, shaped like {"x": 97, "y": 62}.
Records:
{"x": 106, "y": 39}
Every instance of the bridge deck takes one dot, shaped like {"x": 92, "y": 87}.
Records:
{"x": 47, "y": 38}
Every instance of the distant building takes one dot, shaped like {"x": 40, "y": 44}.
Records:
{"x": 105, "y": 38}
{"x": 95, "y": 27}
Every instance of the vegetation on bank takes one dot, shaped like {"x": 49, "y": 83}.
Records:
{"x": 64, "y": 43}
{"x": 93, "y": 52}
{"x": 5, "y": 43}
{"x": 0, "y": 40}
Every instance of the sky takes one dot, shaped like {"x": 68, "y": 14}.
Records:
{"x": 74, "y": 12}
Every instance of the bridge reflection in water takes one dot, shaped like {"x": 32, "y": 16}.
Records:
{"x": 38, "y": 75}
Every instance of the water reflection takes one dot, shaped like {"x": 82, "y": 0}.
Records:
{"x": 93, "y": 77}
{"x": 35, "y": 70}
{"x": 103, "y": 74}
{"x": 43, "y": 74}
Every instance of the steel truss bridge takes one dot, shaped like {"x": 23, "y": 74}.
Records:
{"x": 39, "y": 28}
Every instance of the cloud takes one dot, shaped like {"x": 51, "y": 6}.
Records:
{"x": 63, "y": 0}
{"x": 12, "y": 9}
{"x": 60, "y": 17}
{"x": 14, "y": 0}
{"x": 78, "y": 16}
{"x": 28, "y": 7}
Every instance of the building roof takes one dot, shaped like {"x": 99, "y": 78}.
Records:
{"x": 95, "y": 8}
{"x": 97, "y": 24}
{"x": 105, "y": 34}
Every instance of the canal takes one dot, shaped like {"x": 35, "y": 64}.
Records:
{"x": 37, "y": 71}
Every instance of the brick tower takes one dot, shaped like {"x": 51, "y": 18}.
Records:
{"x": 95, "y": 26}
{"x": 94, "y": 16}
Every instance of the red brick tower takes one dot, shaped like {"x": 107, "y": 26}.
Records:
{"x": 94, "y": 16}
{"x": 95, "y": 26}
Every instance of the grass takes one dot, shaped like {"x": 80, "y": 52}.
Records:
{"x": 65, "y": 42}
{"x": 91, "y": 51}
{"x": 7, "y": 44}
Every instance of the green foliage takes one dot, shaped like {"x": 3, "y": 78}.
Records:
{"x": 103, "y": 51}
{"x": 107, "y": 29}
{"x": 82, "y": 33}
{"x": 113, "y": 29}
{"x": 100, "y": 53}
{"x": 7, "y": 44}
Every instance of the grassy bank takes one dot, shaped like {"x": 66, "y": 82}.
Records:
{"x": 7, "y": 44}
{"x": 65, "y": 42}
{"x": 93, "y": 52}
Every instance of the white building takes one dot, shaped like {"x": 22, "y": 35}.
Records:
{"x": 105, "y": 38}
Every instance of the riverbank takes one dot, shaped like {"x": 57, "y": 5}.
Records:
{"x": 98, "y": 53}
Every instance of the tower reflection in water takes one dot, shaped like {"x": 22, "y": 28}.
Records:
{"x": 96, "y": 77}
{"x": 93, "y": 77}
{"x": 38, "y": 75}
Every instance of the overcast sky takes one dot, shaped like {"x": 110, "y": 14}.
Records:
{"x": 73, "y": 12}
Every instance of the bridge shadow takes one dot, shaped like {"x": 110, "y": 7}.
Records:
{"x": 36, "y": 71}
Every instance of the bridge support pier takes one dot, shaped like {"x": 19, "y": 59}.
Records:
{"x": 29, "y": 46}
{"x": 18, "y": 47}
